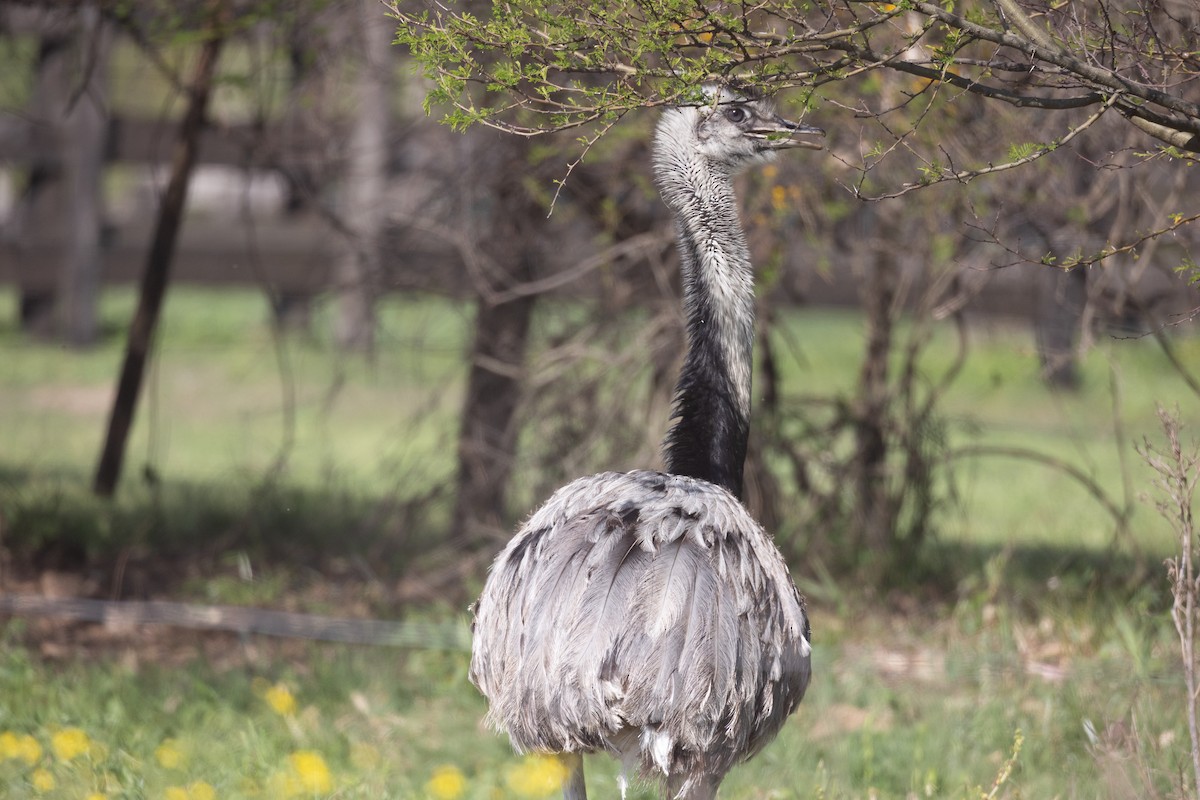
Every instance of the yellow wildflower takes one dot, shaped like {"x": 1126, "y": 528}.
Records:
{"x": 69, "y": 743}
{"x": 311, "y": 770}
{"x": 169, "y": 755}
{"x": 447, "y": 783}
{"x": 27, "y": 749}
{"x": 96, "y": 796}
{"x": 537, "y": 776}
{"x": 201, "y": 790}
{"x": 42, "y": 780}
{"x": 8, "y": 745}
{"x": 280, "y": 698}
{"x": 175, "y": 793}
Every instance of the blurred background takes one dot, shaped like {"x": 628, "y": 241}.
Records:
{"x": 257, "y": 449}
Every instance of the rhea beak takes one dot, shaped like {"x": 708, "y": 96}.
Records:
{"x": 781, "y": 134}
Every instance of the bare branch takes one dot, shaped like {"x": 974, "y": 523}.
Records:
{"x": 1188, "y": 118}
{"x": 966, "y": 176}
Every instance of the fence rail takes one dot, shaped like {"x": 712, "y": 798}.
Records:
{"x": 454, "y": 636}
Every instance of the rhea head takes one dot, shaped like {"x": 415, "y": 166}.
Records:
{"x": 733, "y": 128}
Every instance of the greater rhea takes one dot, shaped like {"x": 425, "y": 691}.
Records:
{"x": 646, "y": 614}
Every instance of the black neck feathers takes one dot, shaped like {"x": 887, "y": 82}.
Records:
{"x": 708, "y": 439}
{"x": 712, "y": 398}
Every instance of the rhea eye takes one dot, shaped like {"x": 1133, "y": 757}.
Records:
{"x": 735, "y": 114}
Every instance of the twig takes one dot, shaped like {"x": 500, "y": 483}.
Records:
{"x": 966, "y": 176}
{"x": 1178, "y": 475}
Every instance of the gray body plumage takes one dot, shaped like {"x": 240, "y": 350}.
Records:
{"x": 646, "y": 614}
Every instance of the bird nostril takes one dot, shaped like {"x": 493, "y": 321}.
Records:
{"x": 801, "y": 128}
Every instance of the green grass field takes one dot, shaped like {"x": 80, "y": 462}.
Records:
{"x": 289, "y": 459}
{"x": 898, "y": 708}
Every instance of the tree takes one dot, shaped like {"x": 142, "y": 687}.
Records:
{"x": 158, "y": 259}
{"x": 86, "y": 129}
{"x": 363, "y": 213}
{"x": 938, "y": 95}
{"x": 496, "y": 211}
{"x": 1133, "y": 58}
{"x": 61, "y": 208}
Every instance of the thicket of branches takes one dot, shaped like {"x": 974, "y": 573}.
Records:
{"x": 1055, "y": 104}
{"x": 555, "y": 66}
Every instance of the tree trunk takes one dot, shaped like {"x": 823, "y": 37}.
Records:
{"x": 873, "y": 499}
{"x": 488, "y": 438}
{"x": 39, "y": 218}
{"x": 158, "y": 266}
{"x": 1062, "y": 296}
{"x": 84, "y": 144}
{"x": 357, "y": 274}
{"x": 501, "y": 211}
{"x": 60, "y": 213}
{"x": 291, "y": 309}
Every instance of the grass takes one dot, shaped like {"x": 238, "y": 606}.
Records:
{"x": 911, "y": 698}
{"x": 229, "y": 433}
{"x": 216, "y": 396}
{"x": 222, "y": 407}
{"x": 899, "y": 708}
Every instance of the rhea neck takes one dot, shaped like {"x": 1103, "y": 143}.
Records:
{"x": 712, "y": 398}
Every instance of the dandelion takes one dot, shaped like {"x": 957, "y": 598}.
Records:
{"x": 69, "y": 743}
{"x": 446, "y": 783}
{"x": 201, "y": 790}
{"x": 8, "y": 745}
{"x": 42, "y": 780}
{"x": 198, "y": 790}
{"x": 280, "y": 699}
{"x": 27, "y": 749}
{"x": 311, "y": 771}
{"x": 95, "y": 796}
{"x": 169, "y": 755}
{"x": 537, "y": 776}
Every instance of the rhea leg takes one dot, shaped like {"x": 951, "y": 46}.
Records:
{"x": 574, "y": 787}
